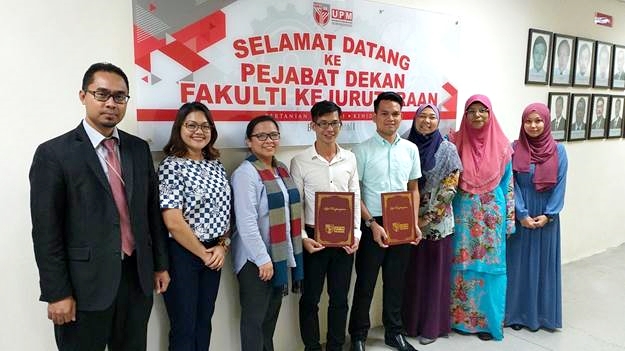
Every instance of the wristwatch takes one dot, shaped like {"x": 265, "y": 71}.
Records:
{"x": 224, "y": 242}
{"x": 369, "y": 222}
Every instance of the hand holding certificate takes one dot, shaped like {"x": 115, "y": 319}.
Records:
{"x": 399, "y": 217}
{"x": 334, "y": 218}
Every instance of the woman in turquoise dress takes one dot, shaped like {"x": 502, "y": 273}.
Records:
{"x": 484, "y": 216}
{"x": 534, "y": 297}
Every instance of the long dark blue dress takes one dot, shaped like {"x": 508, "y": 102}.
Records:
{"x": 534, "y": 296}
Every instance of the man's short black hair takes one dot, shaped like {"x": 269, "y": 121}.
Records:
{"x": 387, "y": 95}
{"x": 324, "y": 107}
{"x": 102, "y": 67}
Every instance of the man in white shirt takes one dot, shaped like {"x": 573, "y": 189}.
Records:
{"x": 325, "y": 166}
{"x": 582, "y": 74}
{"x": 561, "y": 72}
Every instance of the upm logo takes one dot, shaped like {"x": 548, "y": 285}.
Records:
{"x": 344, "y": 16}
{"x": 321, "y": 13}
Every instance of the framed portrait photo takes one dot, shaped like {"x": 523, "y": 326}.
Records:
{"x": 617, "y": 107}
{"x": 559, "y": 106}
{"x": 562, "y": 59}
{"x": 603, "y": 69}
{"x": 599, "y": 116}
{"x": 538, "y": 57}
{"x": 618, "y": 67}
{"x": 584, "y": 57}
{"x": 578, "y": 117}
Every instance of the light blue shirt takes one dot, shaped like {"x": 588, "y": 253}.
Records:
{"x": 250, "y": 240}
{"x": 385, "y": 167}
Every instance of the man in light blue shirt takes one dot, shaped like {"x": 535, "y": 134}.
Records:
{"x": 386, "y": 163}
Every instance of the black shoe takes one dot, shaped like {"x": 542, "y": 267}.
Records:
{"x": 357, "y": 345}
{"x": 485, "y": 336}
{"x": 399, "y": 342}
{"x": 516, "y": 326}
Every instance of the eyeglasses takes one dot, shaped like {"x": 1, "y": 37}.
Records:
{"x": 104, "y": 95}
{"x": 263, "y": 136}
{"x": 475, "y": 112}
{"x": 326, "y": 124}
{"x": 193, "y": 127}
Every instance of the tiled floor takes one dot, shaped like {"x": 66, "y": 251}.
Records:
{"x": 593, "y": 313}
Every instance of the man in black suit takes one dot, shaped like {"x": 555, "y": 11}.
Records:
{"x": 559, "y": 122}
{"x": 599, "y": 123}
{"x": 98, "y": 234}
{"x": 580, "y": 115}
{"x": 617, "y": 119}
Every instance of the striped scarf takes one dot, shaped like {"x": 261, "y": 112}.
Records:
{"x": 279, "y": 248}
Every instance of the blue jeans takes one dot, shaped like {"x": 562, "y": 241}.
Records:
{"x": 190, "y": 300}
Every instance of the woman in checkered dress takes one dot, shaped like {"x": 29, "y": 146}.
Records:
{"x": 195, "y": 203}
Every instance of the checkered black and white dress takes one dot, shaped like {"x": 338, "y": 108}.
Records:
{"x": 201, "y": 190}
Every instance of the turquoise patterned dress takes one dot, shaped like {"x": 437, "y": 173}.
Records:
{"x": 478, "y": 273}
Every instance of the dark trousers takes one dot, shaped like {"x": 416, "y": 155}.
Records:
{"x": 336, "y": 264}
{"x": 260, "y": 306}
{"x": 369, "y": 258}
{"x": 190, "y": 299}
{"x": 122, "y": 327}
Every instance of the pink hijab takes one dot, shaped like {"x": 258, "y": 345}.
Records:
{"x": 484, "y": 152}
{"x": 541, "y": 151}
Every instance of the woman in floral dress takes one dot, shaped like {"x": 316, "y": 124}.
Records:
{"x": 427, "y": 293}
{"x": 484, "y": 216}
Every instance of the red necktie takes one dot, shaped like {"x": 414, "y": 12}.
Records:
{"x": 117, "y": 187}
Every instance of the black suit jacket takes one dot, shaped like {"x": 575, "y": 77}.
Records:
{"x": 76, "y": 231}
{"x": 616, "y": 123}
{"x": 561, "y": 126}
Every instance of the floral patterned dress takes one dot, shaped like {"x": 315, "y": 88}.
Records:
{"x": 478, "y": 274}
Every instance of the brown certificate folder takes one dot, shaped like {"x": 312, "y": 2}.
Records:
{"x": 398, "y": 217}
{"x": 334, "y": 218}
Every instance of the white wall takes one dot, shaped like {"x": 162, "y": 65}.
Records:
{"x": 47, "y": 45}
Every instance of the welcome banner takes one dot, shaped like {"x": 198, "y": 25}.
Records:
{"x": 250, "y": 57}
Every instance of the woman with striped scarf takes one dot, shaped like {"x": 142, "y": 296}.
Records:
{"x": 267, "y": 240}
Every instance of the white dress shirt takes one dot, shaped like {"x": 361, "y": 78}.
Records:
{"x": 312, "y": 173}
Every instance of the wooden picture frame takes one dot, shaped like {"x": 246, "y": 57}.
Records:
{"x": 559, "y": 109}
{"x": 584, "y": 57}
{"x": 603, "y": 65}
{"x": 562, "y": 60}
{"x": 618, "y": 67}
{"x": 617, "y": 110}
{"x": 538, "y": 57}
{"x": 578, "y": 117}
{"x": 598, "y": 121}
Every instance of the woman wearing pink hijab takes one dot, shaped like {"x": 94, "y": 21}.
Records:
{"x": 534, "y": 298}
{"x": 484, "y": 213}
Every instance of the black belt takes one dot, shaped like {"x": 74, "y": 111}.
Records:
{"x": 210, "y": 242}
